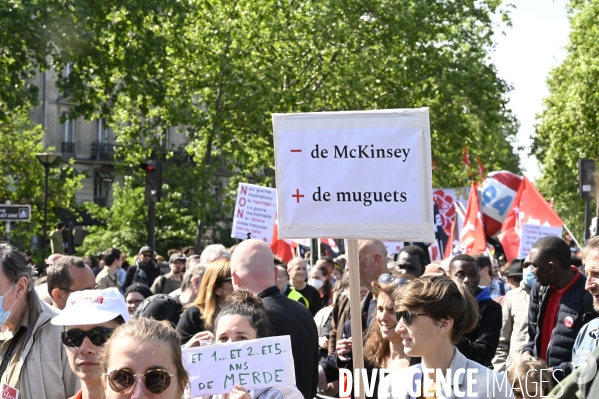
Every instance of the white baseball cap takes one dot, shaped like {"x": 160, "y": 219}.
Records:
{"x": 92, "y": 307}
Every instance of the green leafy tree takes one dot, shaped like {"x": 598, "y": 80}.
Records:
{"x": 568, "y": 127}
{"x": 22, "y": 177}
{"x": 217, "y": 71}
{"x": 220, "y": 70}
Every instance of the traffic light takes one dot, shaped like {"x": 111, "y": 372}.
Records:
{"x": 153, "y": 180}
{"x": 586, "y": 178}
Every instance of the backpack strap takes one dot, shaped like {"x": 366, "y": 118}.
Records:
{"x": 161, "y": 283}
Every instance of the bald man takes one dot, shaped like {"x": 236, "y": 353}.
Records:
{"x": 298, "y": 273}
{"x": 253, "y": 269}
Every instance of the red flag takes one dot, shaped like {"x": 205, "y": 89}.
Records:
{"x": 472, "y": 236}
{"x": 481, "y": 168}
{"x": 530, "y": 207}
{"x": 434, "y": 251}
{"x": 281, "y": 248}
{"x": 454, "y": 239}
{"x": 465, "y": 157}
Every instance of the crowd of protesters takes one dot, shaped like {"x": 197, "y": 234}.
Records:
{"x": 103, "y": 328}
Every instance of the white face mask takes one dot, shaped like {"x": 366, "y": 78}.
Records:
{"x": 316, "y": 283}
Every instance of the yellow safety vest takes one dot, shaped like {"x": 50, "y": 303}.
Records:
{"x": 296, "y": 296}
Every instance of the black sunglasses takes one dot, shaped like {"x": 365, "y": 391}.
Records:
{"x": 224, "y": 280}
{"x": 74, "y": 338}
{"x": 155, "y": 380}
{"x": 407, "y": 316}
{"x": 387, "y": 279}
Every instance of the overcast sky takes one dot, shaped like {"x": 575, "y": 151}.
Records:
{"x": 524, "y": 56}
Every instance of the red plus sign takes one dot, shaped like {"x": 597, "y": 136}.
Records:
{"x": 297, "y": 195}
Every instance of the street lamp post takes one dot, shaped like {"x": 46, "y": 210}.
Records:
{"x": 46, "y": 160}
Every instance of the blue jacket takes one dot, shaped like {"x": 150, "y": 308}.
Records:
{"x": 586, "y": 342}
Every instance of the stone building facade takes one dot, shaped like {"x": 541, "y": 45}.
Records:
{"x": 91, "y": 144}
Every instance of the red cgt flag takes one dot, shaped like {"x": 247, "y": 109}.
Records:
{"x": 281, "y": 248}
{"x": 472, "y": 236}
{"x": 529, "y": 206}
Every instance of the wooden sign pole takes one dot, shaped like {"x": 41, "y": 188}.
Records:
{"x": 354, "y": 307}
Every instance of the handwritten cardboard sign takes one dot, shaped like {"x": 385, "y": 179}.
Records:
{"x": 359, "y": 174}
{"x": 255, "y": 212}
{"x": 532, "y": 233}
{"x": 253, "y": 364}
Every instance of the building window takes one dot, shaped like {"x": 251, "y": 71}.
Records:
{"x": 68, "y": 135}
{"x": 102, "y": 131}
{"x": 216, "y": 194}
{"x": 102, "y": 183}
{"x": 66, "y": 72}
{"x": 165, "y": 138}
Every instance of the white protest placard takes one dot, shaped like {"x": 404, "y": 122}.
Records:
{"x": 393, "y": 247}
{"x": 362, "y": 174}
{"x": 532, "y": 233}
{"x": 253, "y": 364}
{"x": 255, "y": 212}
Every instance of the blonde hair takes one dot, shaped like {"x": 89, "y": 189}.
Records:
{"x": 145, "y": 329}
{"x": 441, "y": 299}
{"x": 207, "y": 300}
{"x": 535, "y": 370}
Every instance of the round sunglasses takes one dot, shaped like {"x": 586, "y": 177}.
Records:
{"x": 74, "y": 338}
{"x": 122, "y": 380}
{"x": 388, "y": 279}
{"x": 407, "y": 316}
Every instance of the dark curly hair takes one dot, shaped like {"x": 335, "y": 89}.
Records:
{"x": 244, "y": 303}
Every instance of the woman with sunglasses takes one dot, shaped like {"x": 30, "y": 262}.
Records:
{"x": 243, "y": 317}
{"x": 197, "y": 319}
{"x": 89, "y": 319}
{"x": 142, "y": 359}
{"x": 383, "y": 348}
{"x": 433, "y": 313}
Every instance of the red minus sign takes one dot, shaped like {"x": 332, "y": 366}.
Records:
{"x": 296, "y": 150}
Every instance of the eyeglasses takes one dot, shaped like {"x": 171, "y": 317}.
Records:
{"x": 387, "y": 279}
{"x": 224, "y": 280}
{"x": 146, "y": 255}
{"x": 74, "y": 338}
{"x": 155, "y": 380}
{"x": 407, "y": 316}
{"x": 135, "y": 302}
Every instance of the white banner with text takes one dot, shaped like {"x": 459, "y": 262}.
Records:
{"x": 253, "y": 364}
{"x": 362, "y": 174}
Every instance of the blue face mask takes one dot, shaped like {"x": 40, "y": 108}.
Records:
{"x": 528, "y": 276}
{"x": 5, "y": 313}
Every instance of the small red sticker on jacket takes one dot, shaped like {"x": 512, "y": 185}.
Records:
{"x": 568, "y": 322}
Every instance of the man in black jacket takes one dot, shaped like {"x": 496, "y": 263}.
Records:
{"x": 144, "y": 271}
{"x": 559, "y": 305}
{"x": 253, "y": 269}
{"x": 481, "y": 343}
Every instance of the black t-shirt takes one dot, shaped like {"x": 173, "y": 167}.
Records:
{"x": 313, "y": 296}
{"x": 190, "y": 323}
